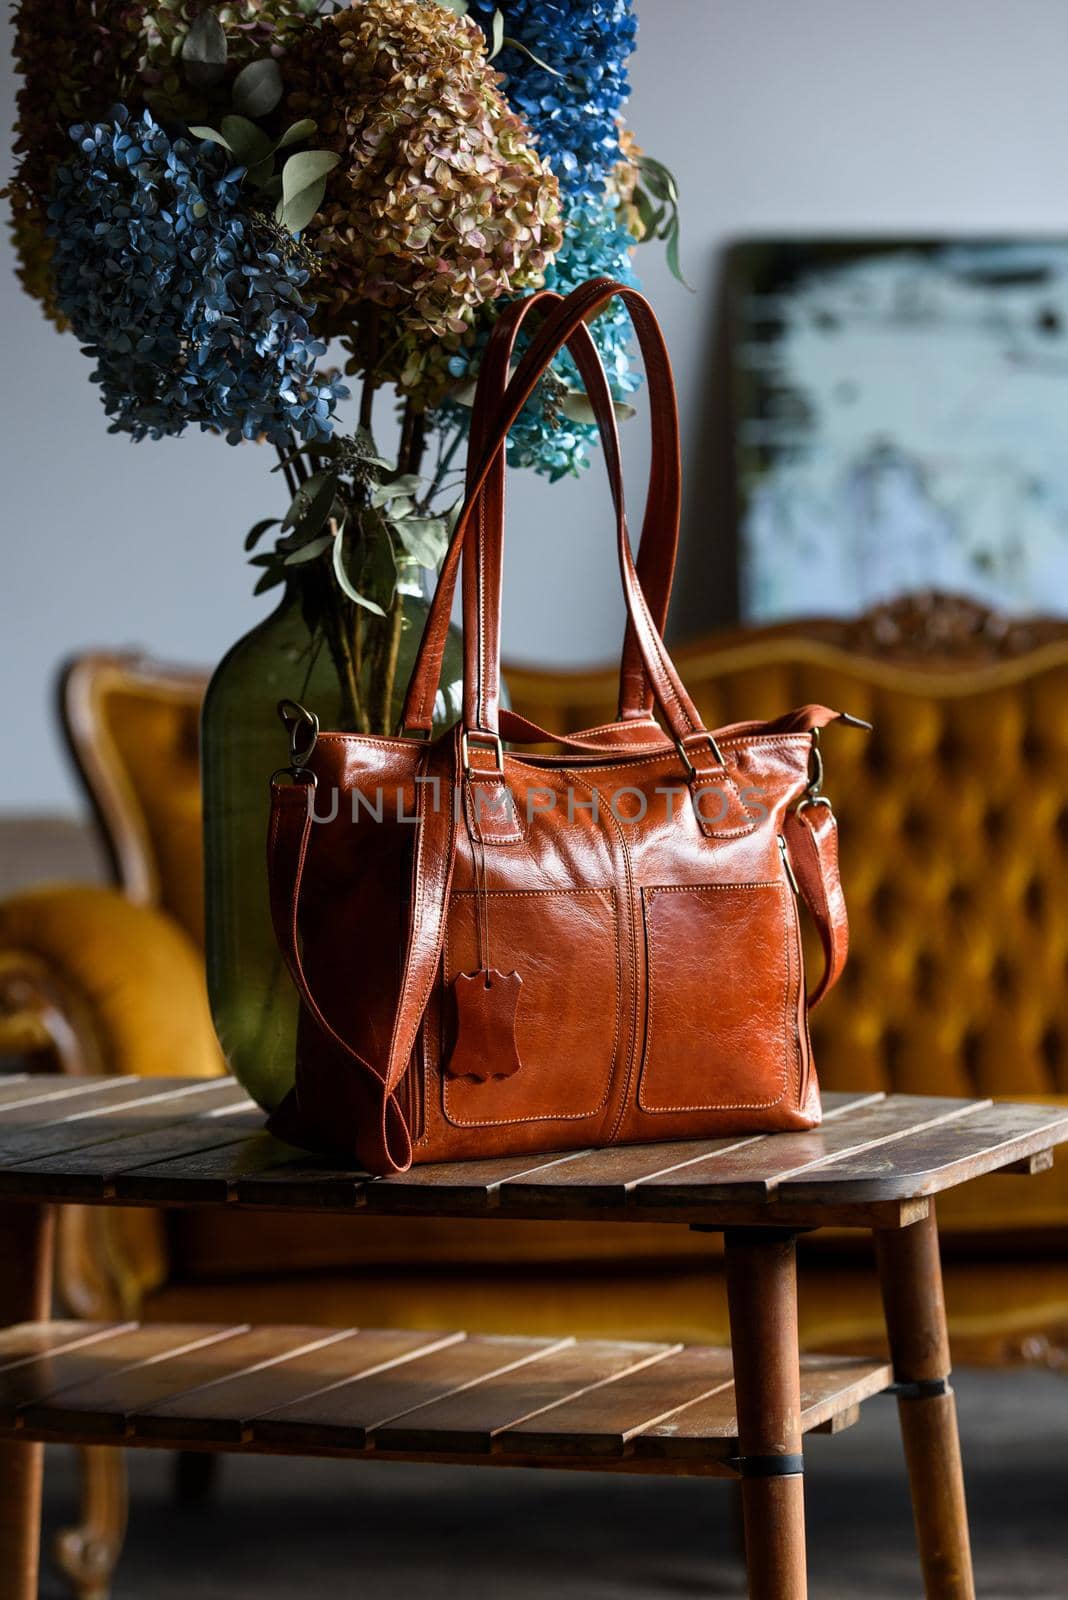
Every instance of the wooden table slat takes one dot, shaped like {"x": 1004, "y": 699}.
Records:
{"x": 305, "y": 1183}
{"x": 828, "y": 1384}
{"x": 347, "y": 1413}
{"x": 77, "y": 1097}
{"x": 755, "y": 1169}
{"x": 13, "y": 1085}
{"x": 52, "y": 1090}
{"x": 126, "y": 1112}
{"x": 89, "y": 1172}
{"x": 28, "y": 1341}
{"x": 106, "y": 1404}
{"x": 223, "y": 1410}
{"x": 467, "y": 1421}
{"x": 461, "y": 1186}
{"x": 608, "y": 1177}
{"x": 602, "y": 1421}
{"x": 43, "y": 1379}
{"x": 950, "y": 1152}
{"x": 203, "y": 1177}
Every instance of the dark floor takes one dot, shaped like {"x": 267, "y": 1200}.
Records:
{"x": 347, "y": 1531}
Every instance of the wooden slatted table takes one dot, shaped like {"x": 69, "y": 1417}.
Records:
{"x": 877, "y": 1162}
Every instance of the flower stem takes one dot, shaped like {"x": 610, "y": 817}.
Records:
{"x": 369, "y": 349}
{"x": 287, "y": 470}
{"x": 409, "y": 458}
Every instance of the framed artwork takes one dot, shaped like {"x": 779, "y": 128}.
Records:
{"x": 900, "y": 421}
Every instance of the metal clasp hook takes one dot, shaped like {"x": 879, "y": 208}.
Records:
{"x": 302, "y": 727}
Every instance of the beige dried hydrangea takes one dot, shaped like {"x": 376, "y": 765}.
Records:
{"x": 440, "y": 202}
{"x": 623, "y": 181}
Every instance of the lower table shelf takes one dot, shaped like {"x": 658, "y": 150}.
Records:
{"x": 397, "y": 1394}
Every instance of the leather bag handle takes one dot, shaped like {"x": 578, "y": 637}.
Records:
{"x": 660, "y": 528}
{"x": 480, "y": 706}
{"x": 482, "y": 620}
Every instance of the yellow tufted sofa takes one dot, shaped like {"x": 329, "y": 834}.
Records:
{"x": 954, "y": 826}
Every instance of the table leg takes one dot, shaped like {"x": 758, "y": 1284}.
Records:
{"x": 26, "y": 1234}
{"x": 910, "y": 1273}
{"x": 761, "y": 1267}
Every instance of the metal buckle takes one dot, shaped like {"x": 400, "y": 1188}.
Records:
{"x": 815, "y": 767}
{"x": 296, "y": 775}
{"x": 490, "y": 739}
{"x": 812, "y": 795}
{"x": 808, "y": 800}
{"x": 684, "y": 754}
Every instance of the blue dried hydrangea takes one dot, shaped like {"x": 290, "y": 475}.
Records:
{"x": 542, "y": 436}
{"x": 191, "y": 309}
{"x": 575, "y": 119}
{"x": 574, "y": 116}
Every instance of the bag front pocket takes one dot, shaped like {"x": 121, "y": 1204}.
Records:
{"x": 564, "y": 945}
{"x": 724, "y": 974}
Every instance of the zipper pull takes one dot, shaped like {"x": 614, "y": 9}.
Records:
{"x": 787, "y": 864}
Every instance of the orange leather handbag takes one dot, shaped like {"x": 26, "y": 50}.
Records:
{"x": 500, "y": 952}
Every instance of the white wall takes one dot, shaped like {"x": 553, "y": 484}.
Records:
{"x": 777, "y": 115}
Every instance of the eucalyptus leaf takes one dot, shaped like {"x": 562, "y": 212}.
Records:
{"x": 307, "y": 167}
{"x": 249, "y": 144}
{"x": 303, "y": 187}
{"x": 270, "y": 580}
{"x": 255, "y": 534}
{"x": 661, "y": 222}
{"x": 211, "y": 134}
{"x": 309, "y": 551}
{"x": 460, "y": 7}
{"x": 378, "y": 566}
{"x": 367, "y": 450}
{"x": 651, "y": 216}
{"x": 345, "y": 582}
{"x": 407, "y": 484}
{"x": 425, "y": 539}
{"x": 465, "y": 394}
{"x": 498, "y": 35}
{"x": 295, "y": 214}
{"x": 258, "y": 87}
{"x": 671, "y": 251}
{"x": 295, "y": 133}
{"x": 204, "y": 51}
{"x": 660, "y": 180}
{"x": 260, "y": 175}
{"x": 517, "y": 44}
{"x": 312, "y": 504}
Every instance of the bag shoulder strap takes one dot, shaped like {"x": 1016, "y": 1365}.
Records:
{"x": 382, "y": 1141}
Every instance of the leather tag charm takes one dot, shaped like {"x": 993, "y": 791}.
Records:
{"x": 486, "y": 1005}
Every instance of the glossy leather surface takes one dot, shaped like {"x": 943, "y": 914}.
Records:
{"x": 639, "y": 885}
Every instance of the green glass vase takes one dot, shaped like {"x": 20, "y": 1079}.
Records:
{"x": 253, "y": 1002}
